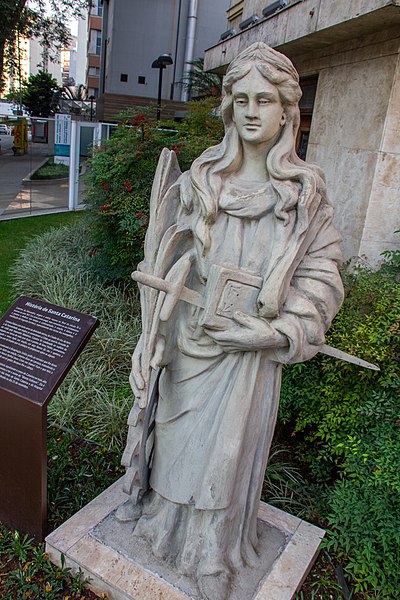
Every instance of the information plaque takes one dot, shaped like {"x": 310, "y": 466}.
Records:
{"x": 39, "y": 343}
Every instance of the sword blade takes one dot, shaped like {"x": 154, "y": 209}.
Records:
{"x": 325, "y": 349}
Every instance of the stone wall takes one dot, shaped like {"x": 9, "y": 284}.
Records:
{"x": 355, "y": 138}
{"x": 383, "y": 214}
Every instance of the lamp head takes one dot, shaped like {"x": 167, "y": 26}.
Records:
{"x": 164, "y": 60}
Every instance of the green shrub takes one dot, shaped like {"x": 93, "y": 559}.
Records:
{"x": 346, "y": 421}
{"x": 95, "y": 395}
{"x": 120, "y": 177}
{"x": 30, "y": 574}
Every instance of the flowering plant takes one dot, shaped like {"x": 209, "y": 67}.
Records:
{"x": 120, "y": 177}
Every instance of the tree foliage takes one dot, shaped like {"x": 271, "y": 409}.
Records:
{"x": 74, "y": 92}
{"x": 46, "y": 20}
{"x": 38, "y": 94}
{"x": 120, "y": 176}
{"x": 200, "y": 83}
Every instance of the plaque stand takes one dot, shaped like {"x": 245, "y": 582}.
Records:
{"x": 23, "y": 464}
{"x": 39, "y": 343}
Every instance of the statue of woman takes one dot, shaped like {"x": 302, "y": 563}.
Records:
{"x": 250, "y": 206}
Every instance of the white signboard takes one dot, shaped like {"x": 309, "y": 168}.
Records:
{"x": 62, "y": 139}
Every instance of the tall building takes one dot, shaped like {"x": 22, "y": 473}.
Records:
{"x": 348, "y": 58}
{"x": 68, "y": 62}
{"x": 30, "y": 58}
{"x": 94, "y": 29}
{"x": 81, "y": 49}
{"x": 137, "y": 32}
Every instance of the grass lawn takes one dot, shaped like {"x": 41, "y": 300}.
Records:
{"x": 51, "y": 171}
{"x": 14, "y": 236}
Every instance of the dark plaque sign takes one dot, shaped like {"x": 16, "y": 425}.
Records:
{"x": 39, "y": 342}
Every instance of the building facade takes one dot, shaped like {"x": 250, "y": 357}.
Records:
{"x": 137, "y": 32}
{"x": 347, "y": 55}
{"x": 30, "y": 59}
{"x": 94, "y": 43}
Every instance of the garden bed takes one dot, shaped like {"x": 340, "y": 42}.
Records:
{"x": 47, "y": 173}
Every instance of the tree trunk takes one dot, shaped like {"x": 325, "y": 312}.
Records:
{"x": 2, "y": 44}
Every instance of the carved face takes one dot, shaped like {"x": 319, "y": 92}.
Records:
{"x": 257, "y": 109}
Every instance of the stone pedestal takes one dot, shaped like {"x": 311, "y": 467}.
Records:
{"x": 122, "y": 566}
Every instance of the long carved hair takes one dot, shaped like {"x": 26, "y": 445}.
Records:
{"x": 294, "y": 181}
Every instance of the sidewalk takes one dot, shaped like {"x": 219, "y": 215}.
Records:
{"x": 19, "y": 199}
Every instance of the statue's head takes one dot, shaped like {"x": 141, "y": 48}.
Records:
{"x": 277, "y": 71}
{"x": 294, "y": 181}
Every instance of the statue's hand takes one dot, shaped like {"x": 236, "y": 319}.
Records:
{"x": 246, "y": 333}
{"x": 136, "y": 377}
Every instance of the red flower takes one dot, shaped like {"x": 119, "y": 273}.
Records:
{"x": 139, "y": 215}
{"x": 104, "y": 207}
{"x": 139, "y": 120}
{"x": 128, "y": 186}
{"x": 105, "y": 185}
{"x": 175, "y": 149}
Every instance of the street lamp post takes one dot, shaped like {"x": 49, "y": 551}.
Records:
{"x": 91, "y": 98}
{"x": 163, "y": 61}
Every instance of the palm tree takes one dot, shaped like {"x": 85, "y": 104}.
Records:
{"x": 74, "y": 92}
{"x": 200, "y": 83}
{"x": 73, "y": 99}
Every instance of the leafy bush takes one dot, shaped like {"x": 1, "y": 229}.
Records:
{"x": 120, "y": 177}
{"x": 30, "y": 574}
{"x": 95, "y": 395}
{"x": 347, "y": 422}
{"x": 78, "y": 471}
{"x": 284, "y": 486}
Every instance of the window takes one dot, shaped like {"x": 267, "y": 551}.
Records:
{"x": 94, "y": 71}
{"x": 98, "y": 42}
{"x": 93, "y": 92}
{"x": 97, "y": 8}
{"x": 95, "y": 42}
{"x": 306, "y": 105}
{"x": 309, "y": 89}
{"x": 124, "y": 77}
{"x": 141, "y": 79}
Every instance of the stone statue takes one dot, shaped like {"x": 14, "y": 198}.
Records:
{"x": 240, "y": 275}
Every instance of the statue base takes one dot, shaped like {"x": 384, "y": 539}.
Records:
{"x": 123, "y": 567}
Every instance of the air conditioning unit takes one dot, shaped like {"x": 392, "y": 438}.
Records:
{"x": 274, "y": 7}
{"x": 247, "y": 22}
{"x": 227, "y": 34}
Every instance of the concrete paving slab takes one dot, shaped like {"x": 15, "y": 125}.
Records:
{"x": 122, "y": 567}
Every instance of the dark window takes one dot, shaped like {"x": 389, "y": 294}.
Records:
{"x": 309, "y": 89}
{"x": 306, "y": 105}
{"x": 124, "y": 77}
{"x": 141, "y": 79}
{"x": 303, "y": 144}
{"x": 98, "y": 42}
